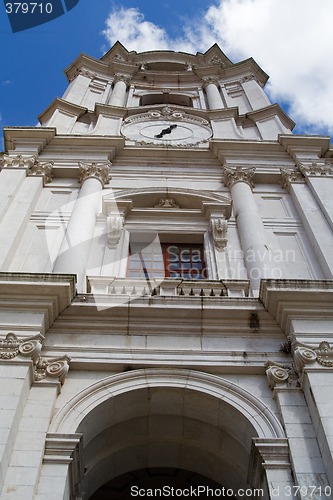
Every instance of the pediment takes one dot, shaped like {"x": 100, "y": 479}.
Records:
{"x": 185, "y": 199}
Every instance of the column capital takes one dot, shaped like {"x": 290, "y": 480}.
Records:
{"x": 30, "y": 347}
{"x": 100, "y": 171}
{"x": 210, "y": 79}
{"x": 305, "y": 355}
{"x": 18, "y": 161}
{"x": 238, "y": 174}
{"x": 322, "y": 168}
{"x": 278, "y": 375}
{"x": 43, "y": 170}
{"x": 122, "y": 78}
{"x": 289, "y": 176}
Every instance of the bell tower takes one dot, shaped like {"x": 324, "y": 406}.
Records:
{"x": 166, "y": 281}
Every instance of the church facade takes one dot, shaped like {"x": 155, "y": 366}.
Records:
{"x": 166, "y": 274}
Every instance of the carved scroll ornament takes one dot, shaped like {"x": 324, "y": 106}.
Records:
{"x": 11, "y": 347}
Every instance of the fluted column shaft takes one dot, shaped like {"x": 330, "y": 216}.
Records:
{"x": 74, "y": 251}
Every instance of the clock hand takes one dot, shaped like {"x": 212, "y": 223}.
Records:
{"x": 165, "y": 131}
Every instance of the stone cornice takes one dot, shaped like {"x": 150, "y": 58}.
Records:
{"x": 47, "y": 294}
{"x": 85, "y": 63}
{"x": 93, "y": 68}
{"x": 286, "y": 300}
{"x": 62, "y": 105}
{"x": 30, "y": 139}
{"x": 304, "y": 144}
{"x": 110, "y": 111}
{"x": 269, "y": 112}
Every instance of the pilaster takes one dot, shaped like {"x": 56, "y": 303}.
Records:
{"x": 314, "y": 221}
{"x": 305, "y": 457}
{"x": 272, "y": 456}
{"x": 18, "y": 212}
{"x": 319, "y": 178}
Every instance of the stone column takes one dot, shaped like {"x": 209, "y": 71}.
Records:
{"x": 74, "y": 251}
{"x": 314, "y": 221}
{"x": 213, "y": 95}
{"x": 256, "y": 247}
{"x": 119, "y": 91}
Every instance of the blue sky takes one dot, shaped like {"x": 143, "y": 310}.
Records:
{"x": 291, "y": 40}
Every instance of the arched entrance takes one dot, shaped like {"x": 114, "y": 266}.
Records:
{"x": 166, "y": 419}
{"x": 172, "y": 482}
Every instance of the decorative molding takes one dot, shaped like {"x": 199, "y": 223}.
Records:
{"x": 18, "y": 161}
{"x": 216, "y": 61}
{"x": 66, "y": 449}
{"x": 316, "y": 169}
{"x": 267, "y": 453}
{"x": 11, "y": 346}
{"x": 167, "y": 113}
{"x": 308, "y": 355}
{"x": 219, "y": 228}
{"x": 167, "y": 203}
{"x": 31, "y": 165}
{"x": 210, "y": 79}
{"x": 115, "y": 226}
{"x": 290, "y": 176}
{"x": 83, "y": 72}
{"x": 238, "y": 174}
{"x": 277, "y": 374}
{"x": 54, "y": 368}
{"x": 324, "y": 354}
{"x": 42, "y": 169}
{"x": 31, "y": 347}
{"x": 100, "y": 171}
{"x": 303, "y": 356}
{"x": 122, "y": 78}
{"x": 248, "y": 78}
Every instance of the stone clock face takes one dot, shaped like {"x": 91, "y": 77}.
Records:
{"x": 167, "y": 132}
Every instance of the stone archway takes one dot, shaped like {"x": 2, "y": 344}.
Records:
{"x": 166, "y": 418}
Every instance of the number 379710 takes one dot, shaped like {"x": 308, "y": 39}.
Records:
{"x": 28, "y": 8}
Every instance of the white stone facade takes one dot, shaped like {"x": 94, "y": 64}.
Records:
{"x": 104, "y": 373}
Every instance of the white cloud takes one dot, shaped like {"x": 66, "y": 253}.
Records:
{"x": 130, "y": 28}
{"x": 291, "y": 40}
